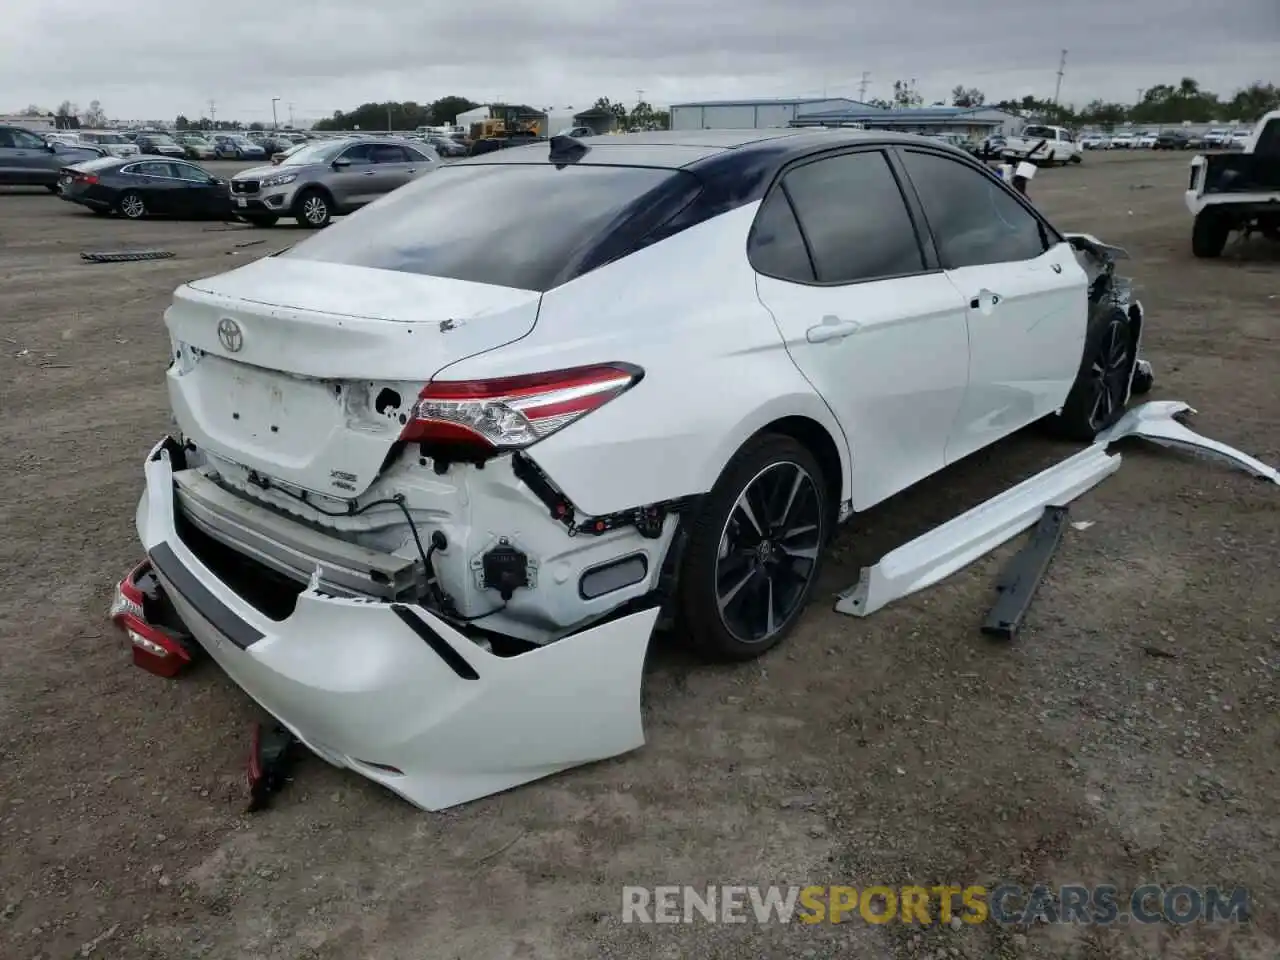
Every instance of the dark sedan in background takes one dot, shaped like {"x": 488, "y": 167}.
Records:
{"x": 142, "y": 187}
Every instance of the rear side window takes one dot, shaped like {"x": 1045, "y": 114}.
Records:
{"x": 776, "y": 247}
{"x": 974, "y": 219}
{"x": 388, "y": 153}
{"x": 529, "y": 226}
{"x": 852, "y": 212}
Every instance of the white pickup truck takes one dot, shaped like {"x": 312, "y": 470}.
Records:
{"x": 1041, "y": 144}
{"x": 1237, "y": 191}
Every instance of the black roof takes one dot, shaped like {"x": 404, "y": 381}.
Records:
{"x": 680, "y": 149}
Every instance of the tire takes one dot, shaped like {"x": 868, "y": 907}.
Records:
{"x": 1097, "y": 397}
{"x": 1209, "y": 234}
{"x": 257, "y": 221}
{"x": 131, "y": 206}
{"x": 52, "y": 188}
{"x": 313, "y": 209}
{"x": 1077, "y": 158}
{"x": 740, "y": 594}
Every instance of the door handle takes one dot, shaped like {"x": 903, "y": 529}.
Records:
{"x": 991, "y": 300}
{"x": 831, "y": 329}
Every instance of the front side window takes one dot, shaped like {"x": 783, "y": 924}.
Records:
{"x": 854, "y": 217}
{"x": 26, "y": 141}
{"x": 185, "y": 171}
{"x": 974, "y": 218}
{"x": 361, "y": 153}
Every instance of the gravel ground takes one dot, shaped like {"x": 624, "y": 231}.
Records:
{"x": 1129, "y": 735}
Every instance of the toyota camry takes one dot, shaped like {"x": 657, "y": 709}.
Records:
{"x": 439, "y": 469}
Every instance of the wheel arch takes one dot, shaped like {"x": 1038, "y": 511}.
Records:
{"x": 817, "y": 440}
{"x": 313, "y": 186}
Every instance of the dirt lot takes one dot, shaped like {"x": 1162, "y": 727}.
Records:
{"x": 1130, "y": 735}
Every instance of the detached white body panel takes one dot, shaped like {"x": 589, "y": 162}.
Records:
{"x": 958, "y": 542}
{"x": 362, "y": 688}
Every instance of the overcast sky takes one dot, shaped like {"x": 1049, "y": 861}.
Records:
{"x": 154, "y": 59}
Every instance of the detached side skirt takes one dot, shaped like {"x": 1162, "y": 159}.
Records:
{"x": 958, "y": 542}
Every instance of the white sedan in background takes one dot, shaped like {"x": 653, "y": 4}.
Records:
{"x": 440, "y": 468}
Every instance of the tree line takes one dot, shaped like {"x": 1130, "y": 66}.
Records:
{"x": 1162, "y": 104}
{"x": 409, "y": 115}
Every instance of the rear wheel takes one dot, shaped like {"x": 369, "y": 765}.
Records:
{"x": 132, "y": 206}
{"x": 1209, "y": 233}
{"x": 51, "y": 187}
{"x": 753, "y": 553}
{"x": 312, "y": 210}
{"x": 1098, "y": 396}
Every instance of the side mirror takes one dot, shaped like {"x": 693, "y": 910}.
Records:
{"x": 52, "y": 146}
{"x": 341, "y": 162}
{"x": 216, "y": 181}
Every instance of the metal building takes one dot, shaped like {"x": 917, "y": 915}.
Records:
{"x": 972, "y": 122}
{"x": 755, "y": 114}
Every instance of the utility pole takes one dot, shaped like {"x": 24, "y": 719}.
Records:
{"x": 291, "y": 116}
{"x": 388, "y": 116}
{"x": 1062, "y": 66}
{"x": 862, "y": 86}
{"x": 213, "y": 114}
{"x": 639, "y": 95}
{"x": 275, "y": 121}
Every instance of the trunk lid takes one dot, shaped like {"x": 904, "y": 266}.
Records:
{"x": 302, "y": 370}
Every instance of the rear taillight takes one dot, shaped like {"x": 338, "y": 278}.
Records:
{"x": 508, "y": 413}
{"x": 86, "y": 178}
{"x": 154, "y": 650}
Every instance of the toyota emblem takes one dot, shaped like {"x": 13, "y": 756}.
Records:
{"x": 230, "y": 335}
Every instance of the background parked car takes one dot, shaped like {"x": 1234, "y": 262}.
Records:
{"x": 328, "y": 178}
{"x": 1240, "y": 138}
{"x": 1123, "y": 140}
{"x": 196, "y": 147}
{"x": 114, "y": 143}
{"x": 1172, "y": 140}
{"x": 1217, "y": 138}
{"x": 446, "y": 146}
{"x": 1145, "y": 141}
{"x": 27, "y": 160}
{"x": 237, "y": 147}
{"x": 143, "y": 186}
{"x": 159, "y": 145}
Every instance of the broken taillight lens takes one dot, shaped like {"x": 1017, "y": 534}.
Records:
{"x": 508, "y": 413}
{"x": 154, "y": 650}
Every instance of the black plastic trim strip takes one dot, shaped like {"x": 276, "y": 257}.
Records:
{"x": 219, "y": 615}
{"x": 456, "y": 661}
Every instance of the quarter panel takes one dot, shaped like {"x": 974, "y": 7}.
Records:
{"x": 716, "y": 371}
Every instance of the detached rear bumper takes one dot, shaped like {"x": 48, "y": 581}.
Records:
{"x": 395, "y": 693}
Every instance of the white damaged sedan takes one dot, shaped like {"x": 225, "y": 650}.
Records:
{"x": 439, "y": 469}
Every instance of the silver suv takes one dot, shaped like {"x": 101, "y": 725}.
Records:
{"x": 328, "y": 178}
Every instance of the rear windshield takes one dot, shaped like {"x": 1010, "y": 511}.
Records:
{"x": 529, "y": 226}
{"x": 97, "y": 163}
